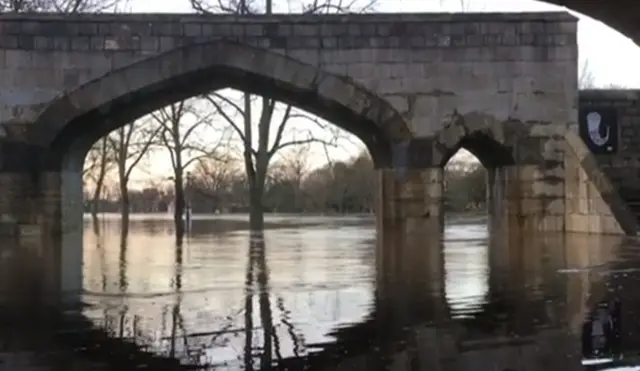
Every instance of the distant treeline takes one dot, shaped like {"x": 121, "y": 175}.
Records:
{"x": 340, "y": 187}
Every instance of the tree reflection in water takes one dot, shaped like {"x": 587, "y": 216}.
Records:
{"x": 258, "y": 351}
{"x": 257, "y": 280}
{"x": 527, "y": 316}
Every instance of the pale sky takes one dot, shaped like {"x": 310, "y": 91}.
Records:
{"x": 612, "y": 57}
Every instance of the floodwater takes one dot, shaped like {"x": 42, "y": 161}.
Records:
{"x": 308, "y": 294}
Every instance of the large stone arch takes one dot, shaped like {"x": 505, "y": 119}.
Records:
{"x": 94, "y": 109}
{"x": 68, "y": 127}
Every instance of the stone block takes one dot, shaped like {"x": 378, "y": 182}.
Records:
{"x": 552, "y": 223}
{"x": 434, "y": 190}
{"x": 556, "y": 207}
{"x": 598, "y": 205}
{"x": 584, "y": 205}
{"x": 572, "y": 205}
{"x": 527, "y": 225}
{"x": 513, "y": 190}
{"x": 433, "y": 175}
{"x": 578, "y": 223}
{"x": 413, "y": 209}
{"x": 532, "y": 206}
{"x": 409, "y": 189}
{"x": 594, "y": 224}
{"x": 30, "y": 232}
{"x": 436, "y": 208}
{"x": 546, "y": 188}
{"x": 529, "y": 173}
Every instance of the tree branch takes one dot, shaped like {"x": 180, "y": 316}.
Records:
{"x": 143, "y": 150}
{"x": 305, "y": 141}
{"x": 228, "y": 118}
{"x": 283, "y": 124}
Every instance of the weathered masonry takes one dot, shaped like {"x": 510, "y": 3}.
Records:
{"x": 413, "y": 87}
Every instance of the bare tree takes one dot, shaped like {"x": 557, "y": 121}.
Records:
{"x": 291, "y": 168}
{"x": 259, "y": 151}
{"x": 64, "y": 6}
{"x": 586, "y": 78}
{"x": 254, "y": 132}
{"x": 305, "y": 7}
{"x": 129, "y": 144}
{"x": 214, "y": 178}
{"x": 96, "y": 167}
{"x": 180, "y": 125}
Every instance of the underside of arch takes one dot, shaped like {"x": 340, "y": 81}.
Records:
{"x": 489, "y": 140}
{"x": 487, "y": 150}
{"x": 94, "y": 109}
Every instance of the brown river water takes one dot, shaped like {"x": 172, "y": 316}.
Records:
{"x": 308, "y": 295}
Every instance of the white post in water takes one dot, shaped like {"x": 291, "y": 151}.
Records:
{"x": 187, "y": 216}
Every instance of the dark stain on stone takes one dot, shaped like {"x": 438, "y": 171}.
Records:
{"x": 411, "y": 106}
{"x": 553, "y": 164}
{"x": 528, "y": 150}
{"x": 546, "y": 201}
{"x": 420, "y": 153}
{"x": 553, "y": 179}
{"x": 439, "y": 93}
{"x": 514, "y": 130}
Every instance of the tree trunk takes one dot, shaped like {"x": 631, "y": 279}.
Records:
{"x": 95, "y": 223}
{"x": 264, "y": 301}
{"x": 97, "y": 193}
{"x": 256, "y": 212}
{"x": 100, "y": 180}
{"x": 179, "y": 205}
{"x": 122, "y": 151}
{"x": 125, "y": 207}
{"x": 248, "y": 312}
{"x": 256, "y": 195}
{"x": 122, "y": 259}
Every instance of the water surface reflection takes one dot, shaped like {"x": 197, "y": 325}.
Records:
{"x": 305, "y": 294}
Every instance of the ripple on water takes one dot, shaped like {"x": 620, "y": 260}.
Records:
{"x": 193, "y": 302}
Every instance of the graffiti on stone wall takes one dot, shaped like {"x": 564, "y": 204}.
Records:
{"x": 599, "y": 129}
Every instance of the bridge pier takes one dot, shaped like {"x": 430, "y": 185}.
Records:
{"x": 524, "y": 200}
{"x": 41, "y": 229}
{"x": 410, "y": 222}
{"x": 27, "y": 262}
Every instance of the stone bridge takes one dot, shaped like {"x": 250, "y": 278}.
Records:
{"x": 413, "y": 87}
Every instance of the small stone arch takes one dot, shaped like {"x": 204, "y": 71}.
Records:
{"x": 491, "y": 141}
{"x": 99, "y": 106}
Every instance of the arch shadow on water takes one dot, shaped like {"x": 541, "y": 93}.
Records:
{"x": 533, "y": 312}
